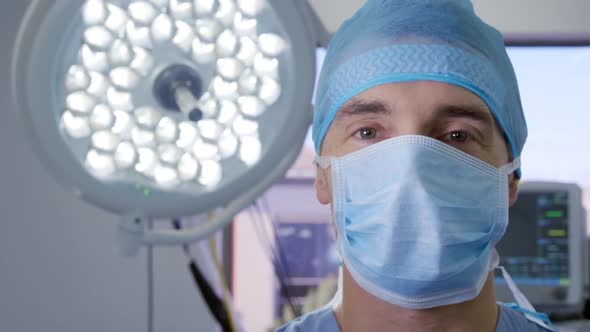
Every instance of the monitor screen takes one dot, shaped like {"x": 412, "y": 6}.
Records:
{"x": 534, "y": 249}
{"x": 308, "y": 255}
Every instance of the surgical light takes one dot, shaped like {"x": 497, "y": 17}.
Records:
{"x": 166, "y": 108}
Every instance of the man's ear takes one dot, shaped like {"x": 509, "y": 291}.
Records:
{"x": 322, "y": 187}
{"x": 513, "y": 182}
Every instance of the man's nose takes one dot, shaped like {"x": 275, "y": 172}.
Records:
{"x": 414, "y": 125}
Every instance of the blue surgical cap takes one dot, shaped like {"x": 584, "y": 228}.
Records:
{"x": 390, "y": 41}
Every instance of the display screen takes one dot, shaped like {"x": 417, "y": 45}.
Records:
{"x": 308, "y": 255}
{"x": 534, "y": 249}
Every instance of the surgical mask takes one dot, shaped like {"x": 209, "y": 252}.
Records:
{"x": 418, "y": 220}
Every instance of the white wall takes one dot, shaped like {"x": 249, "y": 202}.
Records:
{"x": 58, "y": 268}
{"x": 509, "y": 16}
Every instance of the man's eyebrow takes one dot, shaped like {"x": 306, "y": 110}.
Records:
{"x": 358, "y": 107}
{"x": 474, "y": 112}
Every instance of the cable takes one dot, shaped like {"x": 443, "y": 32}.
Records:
{"x": 280, "y": 268}
{"x": 222, "y": 280}
{"x": 281, "y": 257}
{"x": 265, "y": 206}
{"x": 150, "y": 284}
{"x": 282, "y": 261}
{"x": 216, "y": 307}
{"x": 272, "y": 256}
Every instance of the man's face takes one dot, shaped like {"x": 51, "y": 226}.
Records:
{"x": 448, "y": 113}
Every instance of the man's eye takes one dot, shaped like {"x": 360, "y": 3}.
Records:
{"x": 459, "y": 136}
{"x": 367, "y": 133}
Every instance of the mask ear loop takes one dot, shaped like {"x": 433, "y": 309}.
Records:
{"x": 323, "y": 162}
{"x": 523, "y": 304}
{"x": 511, "y": 167}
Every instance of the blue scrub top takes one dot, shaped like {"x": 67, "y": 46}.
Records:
{"x": 323, "y": 320}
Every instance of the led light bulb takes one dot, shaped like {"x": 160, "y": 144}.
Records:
{"x": 125, "y": 155}
{"x": 187, "y": 167}
{"x": 120, "y": 53}
{"x": 229, "y": 68}
{"x": 208, "y": 105}
{"x": 162, "y": 28}
{"x": 203, "y": 53}
{"x": 124, "y": 78}
{"x": 226, "y": 12}
{"x": 80, "y": 102}
{"x": 244, "y": 127}
{"x": 99, "y": 85}
{"x": 143, "y": 61}
{"x": 162, "y": 5}
{"x": 98, "y": 37}
{"x": 248, "y": 51}
{"x": 209, "y": 129}
{"x": 208, "y": 29}
{"x": 251, "y": 106}
{"x": 188, "y": 134}
{"x": 227, "y": 112}
{"x": 119, "y": 100}
{"x": 224, "y": 89}
{"x": 75, "y": 126}
{"x": 147, "y": 117}
{"x": 93, "y": 60}
{"x": 166, "y": 176}
{"x": 264, "y": 66}
{"x": 101, "y": 117}
{"x": 123, "y": 124}
{"x": 117, "y": 19}
{"x": 271, "y": 44}
{"x": 251, "y": 7}
{"x": 105, "y": 141}
{"x": 250, "y": 150}
{"x": 205, "y": 7}
{"x": 245, "y": 26}
{"x": 184, "y": 36}
{"x": 138, "y": 35}
{"x": 169, "y": 153}
{"x": 77, "y": 78}
{"x": 181, "y": 9}
{"x": 248, "y": 83}
{"x": 142, "y": 12}
{"x": 228, "y": 144}
{"x": 226, "y": 44}
{"x": 143, "y": 138}
{"x": 94, "y": 12}
{"x": 102, "y": 165}
{"x": 167, "y": 130}
{"x": 211, "y": 173}
{"x": 205, "y": 151}
{"x": 270, "y": 91}
{"x": 147, "y": 161}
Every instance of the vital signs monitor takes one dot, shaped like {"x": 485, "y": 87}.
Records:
{"x": 544, "y": 248}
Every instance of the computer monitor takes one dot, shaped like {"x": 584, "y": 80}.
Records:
{"x": 544, "y": 247}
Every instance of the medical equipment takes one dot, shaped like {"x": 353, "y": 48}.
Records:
{"x": 545, "y": 248}
{"x": 166, "y": 108}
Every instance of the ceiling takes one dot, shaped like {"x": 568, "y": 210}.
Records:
{"x": 516, "y": 18}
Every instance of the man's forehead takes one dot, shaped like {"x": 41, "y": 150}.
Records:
{"x": 439, "y": 99}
